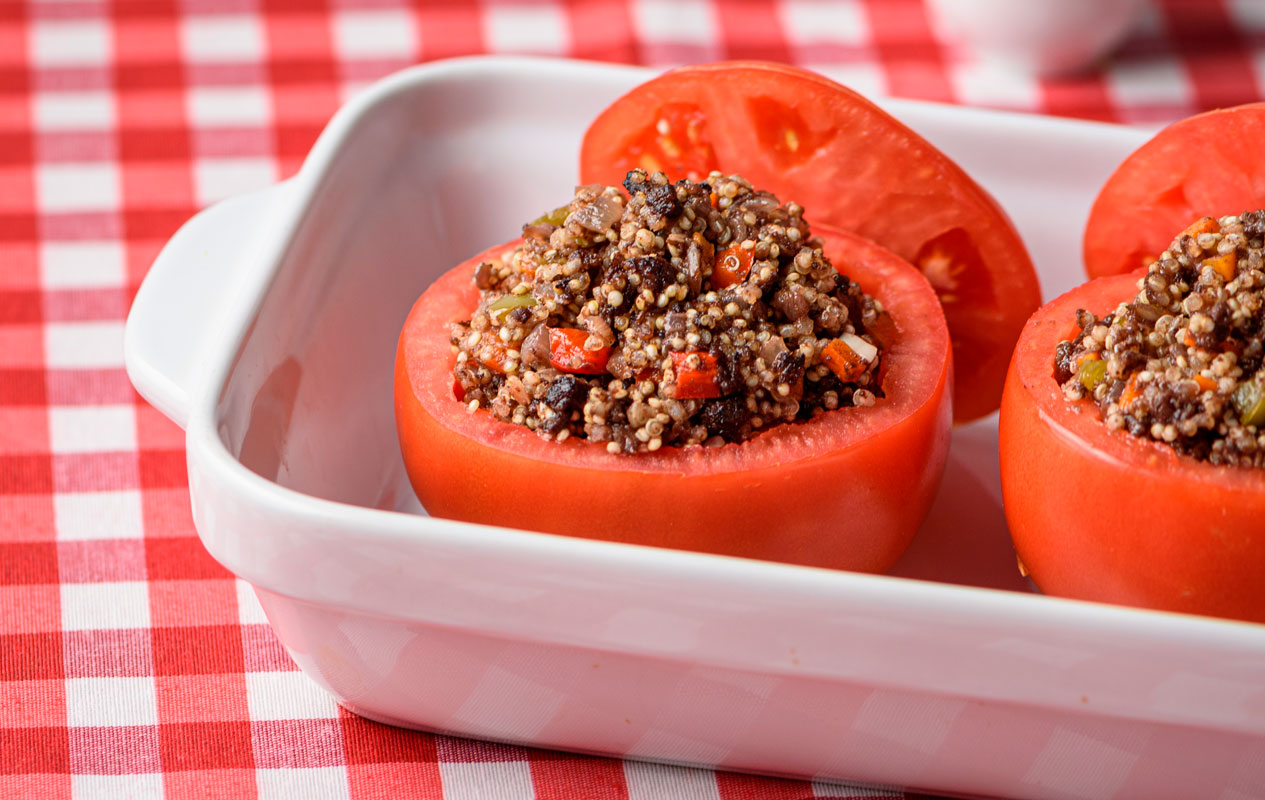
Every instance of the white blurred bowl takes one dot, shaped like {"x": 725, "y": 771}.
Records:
{"x": 1042, "y": 37}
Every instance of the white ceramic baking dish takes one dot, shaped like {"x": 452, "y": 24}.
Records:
{"x": 267, "y": 328}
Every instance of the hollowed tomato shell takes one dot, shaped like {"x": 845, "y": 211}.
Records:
{"x": 1104, "y": 515}
{"x": 847, "y": 489}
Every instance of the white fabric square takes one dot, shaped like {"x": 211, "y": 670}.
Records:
{"x": 1248, "y": 15}
{"x": 217, "y": 178}
{"x": 223, "y": 38}
{"x": 99, "y": 702}
{"x": 981, "y": 84}
{"x": 249, "y": 612}
{"x": 82, "y": 264}
{"x": 111, "y": 605}
{"x": 680, "y": 21}
{"x": 91, "y": 429}
{"x": 287, "y": 695}
{"x": 1080, "y": 765}
{"x": 470, "y": 781}
{"x": 1136, "y": 83}
{"x": 310, "y": 783}
{"x": 80, "y": 516}
{"x": 818, "y": 21}
{"x": 647, "y": 781}
{"x": 73, "y": 111}
{"x": 65, "y": 43}
{"x": 526, "y": 28}
{"x": 227, "y": 106}
{"x": 84, "y": 344}
{"x": 835, "y": 791}
{"x": 66, "y": 187}
{"x": 377, "y": 34}
{"x": 117, "y": 787}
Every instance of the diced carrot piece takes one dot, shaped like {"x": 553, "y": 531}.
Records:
{"x": 733, "y": 264}
{"x": 491, "y": 352}
{"x": 1088, "y": 357}
{"x": 1226, "y": 265}
{"x": 567, "y": 352}
{"x": 695, "y": 382}
{"x": 1203, "y": 225}
{"x": 1206, "y": 383}
{"x": 1131, "y": 391}
{"x": 1188, "y": 338}
{"x": 843, "y": 360}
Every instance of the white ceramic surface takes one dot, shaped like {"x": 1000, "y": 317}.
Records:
{"x": 1045, "y": 37}
{"x": 267, "y": 329}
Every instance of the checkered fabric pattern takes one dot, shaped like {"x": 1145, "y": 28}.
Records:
{"x": 131, "y": 664}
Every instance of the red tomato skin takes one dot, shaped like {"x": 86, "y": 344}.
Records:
{"x": 854, "y": 167}
{"x": 1107, "y": 516}
{"x": 1194, "y": 168}
{"x": 567, "y": 353}
{"x": 846, "y": 491}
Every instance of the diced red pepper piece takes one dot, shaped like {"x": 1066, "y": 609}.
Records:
{"x": 695, "y": 382}
{"x": 733, "y": 265}
{"x": 567, "y": 353}
{"x": 491, "y": 352}
{"x": 458, "y": 391}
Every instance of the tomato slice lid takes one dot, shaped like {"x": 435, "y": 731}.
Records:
{"x": 1202, "y": 166}
{"x": 850, "y": 164}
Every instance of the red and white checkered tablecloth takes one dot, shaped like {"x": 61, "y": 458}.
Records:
{"x": 131, "y": 664}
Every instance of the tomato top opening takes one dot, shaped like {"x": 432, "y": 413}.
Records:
{"x": 850, "y": 165}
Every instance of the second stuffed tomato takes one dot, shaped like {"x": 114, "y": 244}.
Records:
{"x": 847, "y": 489}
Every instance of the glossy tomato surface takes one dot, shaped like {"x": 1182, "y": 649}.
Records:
{"x": 1104, "y": 515}
{"x": 1204, "y": 166}
{"x": 850, "y": 165}
{"x": 847, "y": 489}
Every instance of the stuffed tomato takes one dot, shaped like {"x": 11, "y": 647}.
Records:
{"x": 853, "y": 166}
{"x": 847, "y": 488}
{"x": 1119, "y": 515}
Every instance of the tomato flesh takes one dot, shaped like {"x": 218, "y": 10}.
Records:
{"x": 853, "y": 166}
{"x": 1201, "y": 166}
{"x": 1104, "y": 515}
{"x": 847, "y": 489}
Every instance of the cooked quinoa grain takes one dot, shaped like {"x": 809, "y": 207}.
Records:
{"x": 1182, "y": 362}
{"x": 668, "y": 316}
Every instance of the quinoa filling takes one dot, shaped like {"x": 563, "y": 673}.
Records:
{"x": 695, "y": 313}
{"x": 1182, "y": 363}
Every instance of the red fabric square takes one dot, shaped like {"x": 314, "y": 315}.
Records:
{"x": 21, "y": 345}
{"x": 25, "y": 474}
{"x": 34, "y": 750}
{"x": 449, "y": 29}
{"x": 28, "y": 563}
{"x": 121, "y": 653}
{"x": 601, "y": 30}
{"x": 239, "y": 784}
{"x": 159, "y": 154}
{"x": 369, "y": 742}
{"x": 43, "y": 786}
{"x": 29, "y": 609}
{"x": 297, "y": 743}
{"x": 167, "y": 513}
{"x": 17, "y": 194}
{"x": 160, "y": 105}
{"x": 30, "y": 656}
{"x": 26, "y": 518}
{"x": 192, "y": 602}
{"x": 264, "y": 652}
{"x": 154, "y": 223}
{"x": 202, "y": 698}
{"x": 116, "y": 750}
{"x": 206, "y": 745}
{"x": 148, "y": 38}
{"x": 22, "y": 387}
{"x": 155, "y": 432}
{"x": 24, "y": 429}
{"x": 391, "y": 781}
{"x": 20, "y": 259}
{"x": 452, "y": 750}
{"x": 20, "y": 307}
{"x": 95, "y": 472}
{"x": 163, "y": 469}
{"x": 554, "y": 777}
{"x": 100, "y": 560}
{"x": 202, "y": 650}
{"x": 731, "y": 786}
{"x": 32, "y": 704}
{"x": 182, "y": 558}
